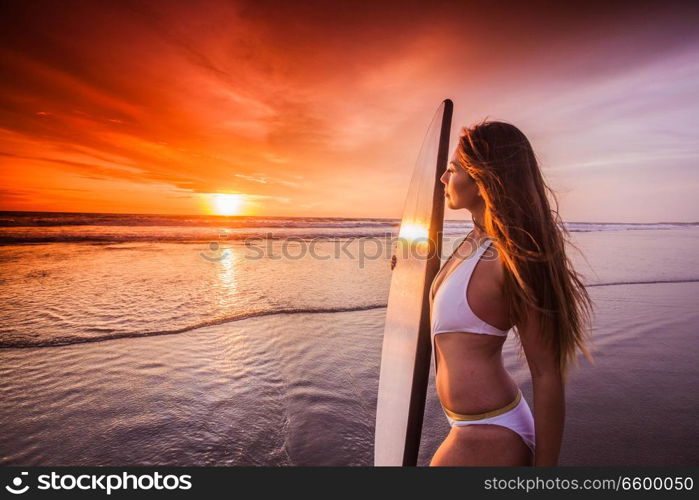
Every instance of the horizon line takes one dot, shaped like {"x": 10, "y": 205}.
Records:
{"x": 302, "y": 216}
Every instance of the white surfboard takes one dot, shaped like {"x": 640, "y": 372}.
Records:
{"x": 406, "y": 351}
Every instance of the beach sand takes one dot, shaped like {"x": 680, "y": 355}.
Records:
{"x": 300, "y": 389}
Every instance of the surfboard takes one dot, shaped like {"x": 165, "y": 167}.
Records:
{"x": 406, "y": 349}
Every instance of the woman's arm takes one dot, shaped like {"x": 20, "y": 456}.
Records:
{"x": 549, "y": 394}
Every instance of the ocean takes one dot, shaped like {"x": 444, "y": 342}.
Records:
{"x": 208, "y": 340}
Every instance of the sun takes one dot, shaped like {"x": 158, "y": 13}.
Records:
{"x": 228, "y": 204}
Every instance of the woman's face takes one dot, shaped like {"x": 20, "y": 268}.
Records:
{"x": 460, "y": 190}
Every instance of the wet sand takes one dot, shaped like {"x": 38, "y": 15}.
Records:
{"x": 300, "y": 389}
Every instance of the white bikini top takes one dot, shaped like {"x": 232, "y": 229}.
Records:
{"x": 449, "y": 309}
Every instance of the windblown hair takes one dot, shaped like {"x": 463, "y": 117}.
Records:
{"x": 529, "y": 237}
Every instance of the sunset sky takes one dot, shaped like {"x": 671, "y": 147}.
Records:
{"x": 319, "y": 108}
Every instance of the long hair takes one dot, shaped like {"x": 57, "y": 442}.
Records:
{"x": 529, "y": 236}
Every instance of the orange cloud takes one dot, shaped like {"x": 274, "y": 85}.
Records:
{"x": 306, "y": 109}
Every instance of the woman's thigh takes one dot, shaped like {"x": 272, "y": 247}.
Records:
{"x": 482, "y": 445}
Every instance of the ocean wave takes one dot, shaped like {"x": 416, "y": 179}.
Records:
{"x": 74, "y": 339}
{"x": 105, "y": 335}
{"x": 651, "y": 282}
{"x": 61, "y": 219}
{"x": 207, "y": 234}
{"x": 67, "y": 219}
{"x": 15, "y": 239}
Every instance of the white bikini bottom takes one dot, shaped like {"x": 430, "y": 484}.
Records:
{"x": 516, "y": 416}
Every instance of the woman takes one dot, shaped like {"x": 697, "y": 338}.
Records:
{"x": 511, "y": 271}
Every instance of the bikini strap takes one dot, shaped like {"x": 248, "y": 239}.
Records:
{"x": 487, "y": 414}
